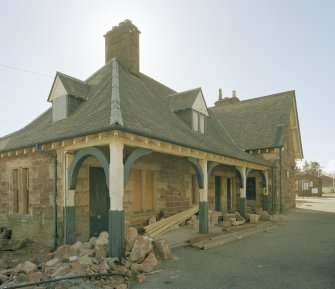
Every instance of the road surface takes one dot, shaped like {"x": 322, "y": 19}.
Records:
{"x": 299, "y": 253}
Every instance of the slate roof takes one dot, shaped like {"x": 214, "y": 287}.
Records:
{"x": 259, "y": 122}
{"x": 74, "y": 86}
{"x": 183, "y": 100}
{"x": 146, "y": 111}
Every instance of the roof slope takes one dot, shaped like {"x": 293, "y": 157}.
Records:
{"x": 183, "y": 100}
{"x": 145, "y": 111}
{"x": 258, "y": 123}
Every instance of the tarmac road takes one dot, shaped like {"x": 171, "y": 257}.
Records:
{"x": 299, "y": 253}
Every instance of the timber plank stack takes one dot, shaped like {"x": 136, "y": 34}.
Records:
{"x": 156, "y": 229}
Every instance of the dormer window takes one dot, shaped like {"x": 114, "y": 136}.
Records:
{"x": 66, "y": 94}
{"x": 191, "y": 107}
{"x": 198, "y": 122}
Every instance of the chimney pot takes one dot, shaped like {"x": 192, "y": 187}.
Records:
{"x": 220, "y": 94}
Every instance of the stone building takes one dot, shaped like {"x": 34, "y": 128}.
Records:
{"x": 120, "y": 147}
{"x": 309, "y": 185}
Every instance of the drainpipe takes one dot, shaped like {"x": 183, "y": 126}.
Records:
{"x": 54, "y": 202}
{"x": 273, "y": 189}
{"x": 280, "y": 182}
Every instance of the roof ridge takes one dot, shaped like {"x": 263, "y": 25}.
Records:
{"x": 68, "y": 76}
{"x": 186, "y": 91}
{"x": 255, "y": 99}
{"x": 101, "y": 68}
{"x": 116, "y": 115}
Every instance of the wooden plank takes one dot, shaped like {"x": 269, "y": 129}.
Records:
{"x": 175, "y": 219}
{"x": 160, "y": 227}
{"x": 169, "y": 219}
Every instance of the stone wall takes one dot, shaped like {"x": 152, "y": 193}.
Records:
{"x": 36, "y": 223}
{"x": 282, "y": 193}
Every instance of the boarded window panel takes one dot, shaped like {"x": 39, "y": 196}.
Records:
{"x": 149, "y": 191}
{"x": 15, "y": 191}
{"x": 137, "y": 190}
{"x": 25, "y": 191}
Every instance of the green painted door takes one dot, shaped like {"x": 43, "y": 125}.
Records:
{"x": 218, "y": 194}
{"x": 99, "y": 202}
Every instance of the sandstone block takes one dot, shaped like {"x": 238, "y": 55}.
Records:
{"x": 26, "y": 267}
{"x": 35, "y": 276}
{"x": 66, "y": 251}
{"x": 77, "y": 245}
{"x": 130, "y": 237}
{"x": 140, "y": 250}
{"x": 100, "y": 251}
{"x": 52, "y": 262}
{"x": 150, "y": 263}
{"x": 85, "y": 261}
{"x": 163, "y": 249}
{"x": 254, "y": 218}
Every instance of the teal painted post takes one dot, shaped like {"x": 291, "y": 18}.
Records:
{"x": 203, "y": 217}
{"x": 116, "y": 234}
{"x": 70, "y": 224}
{"x": 243, "y": 205}
{"x": 265, "y": 202}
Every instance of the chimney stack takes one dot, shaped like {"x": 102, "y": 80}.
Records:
{"x": 122, "y": 42}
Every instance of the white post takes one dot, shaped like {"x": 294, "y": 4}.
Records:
{"x": 116, "y": 190}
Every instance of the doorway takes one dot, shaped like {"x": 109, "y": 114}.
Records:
{"x": 99, "y": 201}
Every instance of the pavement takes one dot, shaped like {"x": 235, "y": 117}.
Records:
{"x": 180, "y": 238}
{"x": 298, "y": 253}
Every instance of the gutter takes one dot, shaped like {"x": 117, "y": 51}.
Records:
{"x": 121, "y": 128}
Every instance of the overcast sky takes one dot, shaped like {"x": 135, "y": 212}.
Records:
{"x": 256, "y": 47}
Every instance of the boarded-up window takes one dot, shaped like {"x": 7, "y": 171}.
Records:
{"x": 16, "y": 199}
{"x": 143, "y": 192}
{"x": 21, "y": 191}
{"x": 25, "y": 191}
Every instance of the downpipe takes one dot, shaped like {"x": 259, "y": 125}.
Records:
{"x": 54, "y": 203}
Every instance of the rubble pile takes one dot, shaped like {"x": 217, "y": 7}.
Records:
{"x": 253, "y": 216}
{"x": 89, "y": 262}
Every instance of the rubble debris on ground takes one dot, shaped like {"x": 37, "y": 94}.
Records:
{"x": 7, "y": 243}
{"x": 158, "y": 228}
{"x": 234, "y": 227}
{"x": 69, "y": 263}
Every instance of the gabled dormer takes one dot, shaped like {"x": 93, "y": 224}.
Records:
{"x": 191, "y": 107}
{"x": 66, "y": 94}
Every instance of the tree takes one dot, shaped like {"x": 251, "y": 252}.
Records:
{"x": 313, "y": 168}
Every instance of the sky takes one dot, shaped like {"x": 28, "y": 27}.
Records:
{"x": 256, "y": 47}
